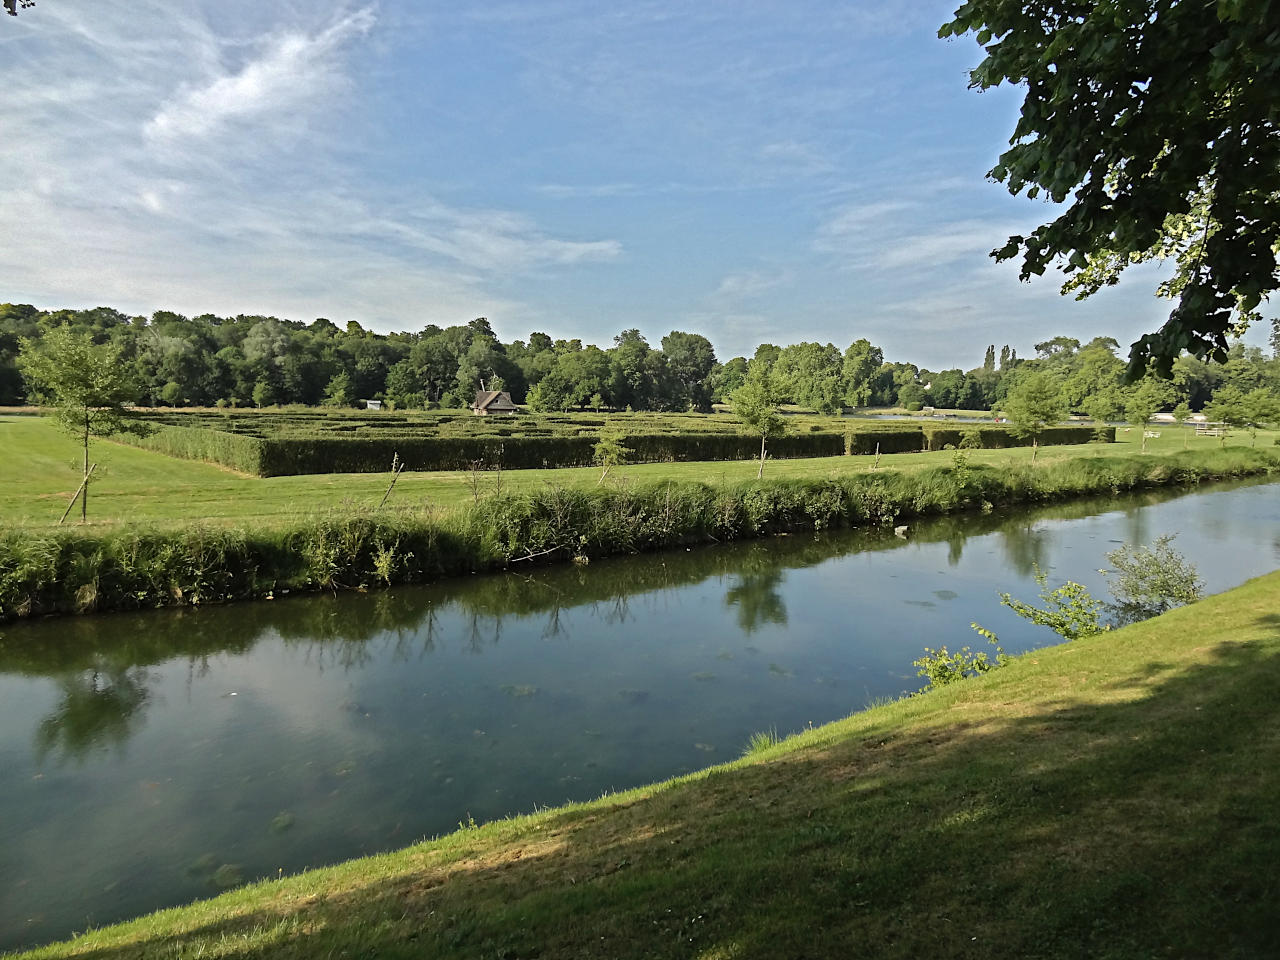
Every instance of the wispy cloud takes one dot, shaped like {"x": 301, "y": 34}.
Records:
{"x": 944, "y": 244}
{"x": 751, "y": 283}
{"x": 908, "y": 236}
{"x": 850, "y": 227}
{"x": 566, "y": 191}
{"x": 797, "y": 158}
{"x": 169, "y": 165}
{"x": 293, "y": 68}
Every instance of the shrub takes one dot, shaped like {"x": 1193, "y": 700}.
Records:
{"x": 1150, "y": 580}
{"x": 941, "y": 667}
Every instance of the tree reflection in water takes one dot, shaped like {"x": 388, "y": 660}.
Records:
{"x": 755, "y": 592}
{"x": 100, "y": 708}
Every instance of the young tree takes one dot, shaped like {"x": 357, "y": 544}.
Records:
{"x": 1150, "y": 122}
{"x": 1256, "y": 408}
{"x": 609, "y": 452}
{"x": 1034, "y": 404}
{"x": 1181, "y": 414}
{"x": 756, "y": 406}
{"x": 1138, "y": 410}
{"x": 86, "y": 384}
{"x": 1148, "y": 396}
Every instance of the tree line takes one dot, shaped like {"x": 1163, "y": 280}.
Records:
{"x": 254, "y": 360}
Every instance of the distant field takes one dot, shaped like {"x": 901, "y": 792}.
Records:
{"x": 39, "y": 471}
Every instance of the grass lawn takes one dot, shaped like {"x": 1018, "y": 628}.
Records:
{"x": 40, "y": 470}
{"x": 1112, "y": 797}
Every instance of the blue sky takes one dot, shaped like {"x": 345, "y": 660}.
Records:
{"x": 751, "y": 171}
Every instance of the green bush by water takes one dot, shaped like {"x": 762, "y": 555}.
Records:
{"x": 74, "y": 570}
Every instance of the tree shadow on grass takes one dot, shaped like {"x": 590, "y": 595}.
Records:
{"x": 1143, "y": 826}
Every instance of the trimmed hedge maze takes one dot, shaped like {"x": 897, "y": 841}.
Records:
{"x": 309, "y": 442}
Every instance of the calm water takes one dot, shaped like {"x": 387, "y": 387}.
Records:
{"x": 147, "y": 759}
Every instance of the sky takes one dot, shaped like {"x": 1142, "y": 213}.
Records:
{"x": 751, "y": 171}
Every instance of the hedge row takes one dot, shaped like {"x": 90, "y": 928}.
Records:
{"x": 70, "y": 570}
{"x": 996, "y": 437}
{"x": 286, "y": 456}
{"x": 235, "y": 450}
{"x": 294, "y": 454}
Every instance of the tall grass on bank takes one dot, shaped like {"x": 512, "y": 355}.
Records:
{"x": 75, "y": 571}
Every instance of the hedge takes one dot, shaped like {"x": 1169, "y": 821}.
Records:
{"x": 338, "y": 451}
{"x": 998, "y": 437}
{"x": 235, "y": 450}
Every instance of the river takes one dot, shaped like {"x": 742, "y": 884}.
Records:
{"x": 149, "y": 759}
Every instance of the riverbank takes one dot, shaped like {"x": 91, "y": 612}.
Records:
{"x": 1114, "y": 796}
{"x": 96, "y": 569}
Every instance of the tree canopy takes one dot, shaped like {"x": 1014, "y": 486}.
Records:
{"x": 1158, "y": 121}
{"x": 245, "y": 360}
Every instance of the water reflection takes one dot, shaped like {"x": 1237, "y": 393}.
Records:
{"x": 99, "y": 663}
{"x": 755, "y": 592}
{"x": 1025, "y": 544}
{"x": 155, "y": 749}
{"x": 99, "y": 708}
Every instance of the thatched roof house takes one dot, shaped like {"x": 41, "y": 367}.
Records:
{"x": 492, "y": 402}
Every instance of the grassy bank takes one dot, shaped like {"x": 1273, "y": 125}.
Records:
{"x": 41, "y": 470}
{"x": 80, "y": 570}
{"x": 1112, "y": 797}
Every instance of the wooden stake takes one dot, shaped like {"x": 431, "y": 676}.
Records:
{"x": 396, "y": 469}
{"x": 79, "y": 490}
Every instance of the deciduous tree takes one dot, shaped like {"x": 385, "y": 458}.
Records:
{"x": 756, "y": 406}
{"x": 1155, "y": 122}
{"x": 1036, "y": 403}
{"x": 86, "y": 384}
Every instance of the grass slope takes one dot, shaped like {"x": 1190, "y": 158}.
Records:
{"x": 40, "y": 470}
{"x": 1112, "y": 797}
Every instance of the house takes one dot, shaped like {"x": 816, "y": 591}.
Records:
{"x": 373, "y": 404}
{"x": 489, "y": 402}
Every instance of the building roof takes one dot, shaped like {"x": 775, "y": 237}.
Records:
{"x": 492, "y": 400}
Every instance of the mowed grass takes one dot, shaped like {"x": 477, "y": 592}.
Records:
{"x": 1112, "y": 797}
{"x": 40, "y": 470}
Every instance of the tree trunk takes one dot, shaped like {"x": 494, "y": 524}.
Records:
{"x": 84, "y": 494}
{"x": 760, "y": 472}
{"x": 1035, "y": 447}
